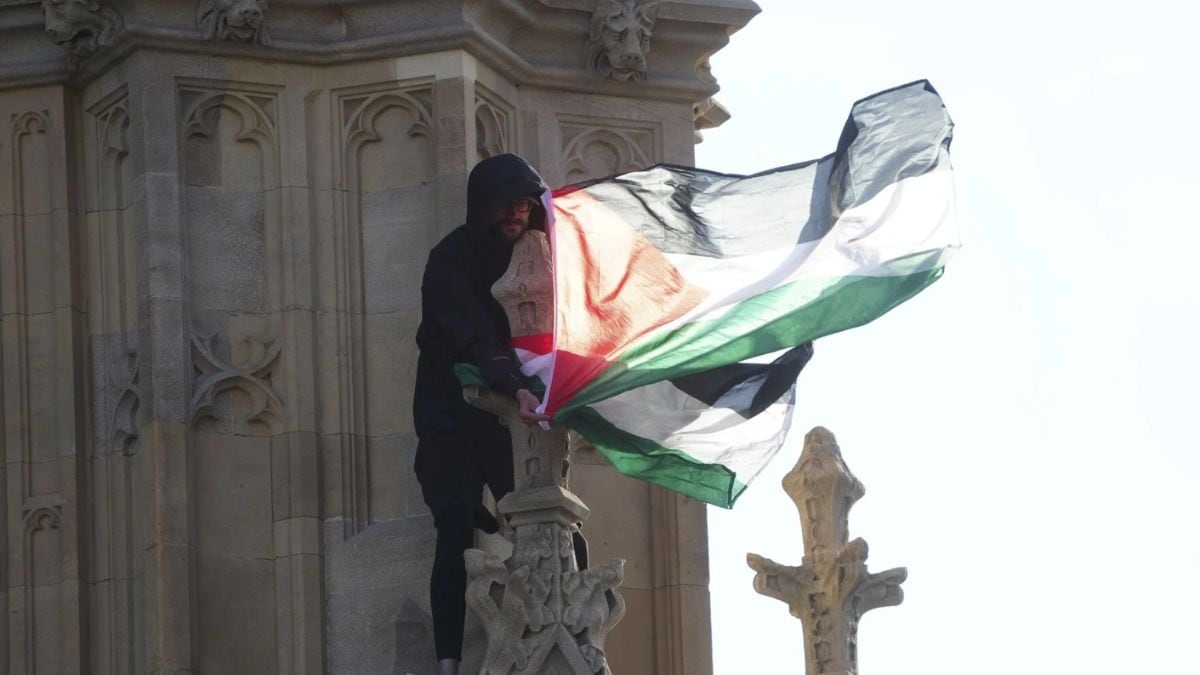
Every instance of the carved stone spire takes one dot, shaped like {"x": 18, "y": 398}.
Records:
{"x": 831, "y": 590}
{"x": 541, "y": 613}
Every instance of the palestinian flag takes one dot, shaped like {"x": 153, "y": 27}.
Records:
{"x": 686, "y": 300}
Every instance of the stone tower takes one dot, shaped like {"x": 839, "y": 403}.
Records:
{"x": 214, "y": 215}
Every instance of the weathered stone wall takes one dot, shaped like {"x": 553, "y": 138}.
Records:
{"x": 212, "y": 230}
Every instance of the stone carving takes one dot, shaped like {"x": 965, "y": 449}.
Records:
{"x": 31, "y": 122}
{"x": 32, "y": 190}
{"x": 360, "y": 124}
{"x": 43, "y": 518}
{"x": 526, "y": 289}
{"x": 43, "y": 562}
{"x": 619, "y": 38}
{"x": 831, "y": 590}
{"x": 30, "y": 186}
{"x": 384, "y": 140}
{"x": 235, "y": 233}
{"x": 252, "y": 378}
{"x": 112, "y": 124}
{"x": 526, "y": 292}
{"x": 205, "y": 111}
{"x": 114, "y": 272}
{"x": 491, "y": 130}
{"x": 233, "y": 20}
{"x": 125, "y": 420}
{"x": 540, "y": 458}
{"x": 594, "y": 152}
{"x": 83, "y": 26}
{"x": 594, "y": 605}
{"x": 543, "y": 603}
{"x": 256, "y": 113}
{"x": 388, "y": 142}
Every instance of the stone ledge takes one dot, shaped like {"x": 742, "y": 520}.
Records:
{"x": 319, "y": 32}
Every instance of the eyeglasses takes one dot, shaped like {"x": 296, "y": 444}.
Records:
{"x": 522, "y": 205}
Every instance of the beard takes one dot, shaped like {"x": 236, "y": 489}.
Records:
{"x": 512, "y": 228}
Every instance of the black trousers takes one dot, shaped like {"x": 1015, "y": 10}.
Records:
{"x": 452, "y": 470}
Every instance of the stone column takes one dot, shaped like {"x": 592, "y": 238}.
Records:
{"x": 541, "y": 613}
{"x": 831, "y": 589}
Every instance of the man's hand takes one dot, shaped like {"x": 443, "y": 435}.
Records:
{"x": 527, "y": 404}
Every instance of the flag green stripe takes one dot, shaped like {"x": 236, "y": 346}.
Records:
{"x": 469, "y": 375}
{"x": 760, "y": 325}
{"x": 646, "y": 460}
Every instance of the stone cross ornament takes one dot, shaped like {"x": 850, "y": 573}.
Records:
{"x": 540, "y": 612}
{"x": 831, "y": 589}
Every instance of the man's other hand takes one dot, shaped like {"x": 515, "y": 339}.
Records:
{"x": 527, "y": 404}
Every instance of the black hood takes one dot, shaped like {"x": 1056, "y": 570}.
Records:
{"x": 495, "y": 182}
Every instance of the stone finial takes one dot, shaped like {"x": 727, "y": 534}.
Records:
{"x": 83, "y": 26}
{"x": 831, "y": 590}
{"x": 526, "y": 289}
{"x": 540, "y": 612}
{"x": 619, "y": 38}
{"x": 540, "y": 458}
{"x": 233, "y": 20}
{"x": 526, "y": 293}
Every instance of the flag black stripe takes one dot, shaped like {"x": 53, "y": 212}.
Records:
{"x": 747, "y": 388}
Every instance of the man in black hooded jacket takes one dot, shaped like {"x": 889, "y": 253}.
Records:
{"x": 460, "y": 448}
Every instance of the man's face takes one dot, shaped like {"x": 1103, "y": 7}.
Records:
{"x": 512, "y": 219}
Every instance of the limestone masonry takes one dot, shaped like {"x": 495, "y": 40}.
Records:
{"x": 214, "y": 215}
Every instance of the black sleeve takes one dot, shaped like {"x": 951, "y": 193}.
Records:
{"x": 459, "y": 318}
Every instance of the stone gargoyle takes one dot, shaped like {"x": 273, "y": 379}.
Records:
{"x": 619, "y": 38}
{"x": 233, "y": 20}
{"x": 83, "y": 26}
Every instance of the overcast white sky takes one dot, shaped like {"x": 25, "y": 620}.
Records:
{"x": 1027, "y": 428}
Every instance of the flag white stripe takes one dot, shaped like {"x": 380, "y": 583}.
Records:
{"x": 710, "y": 434}
{"x": 877, "y": 238}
